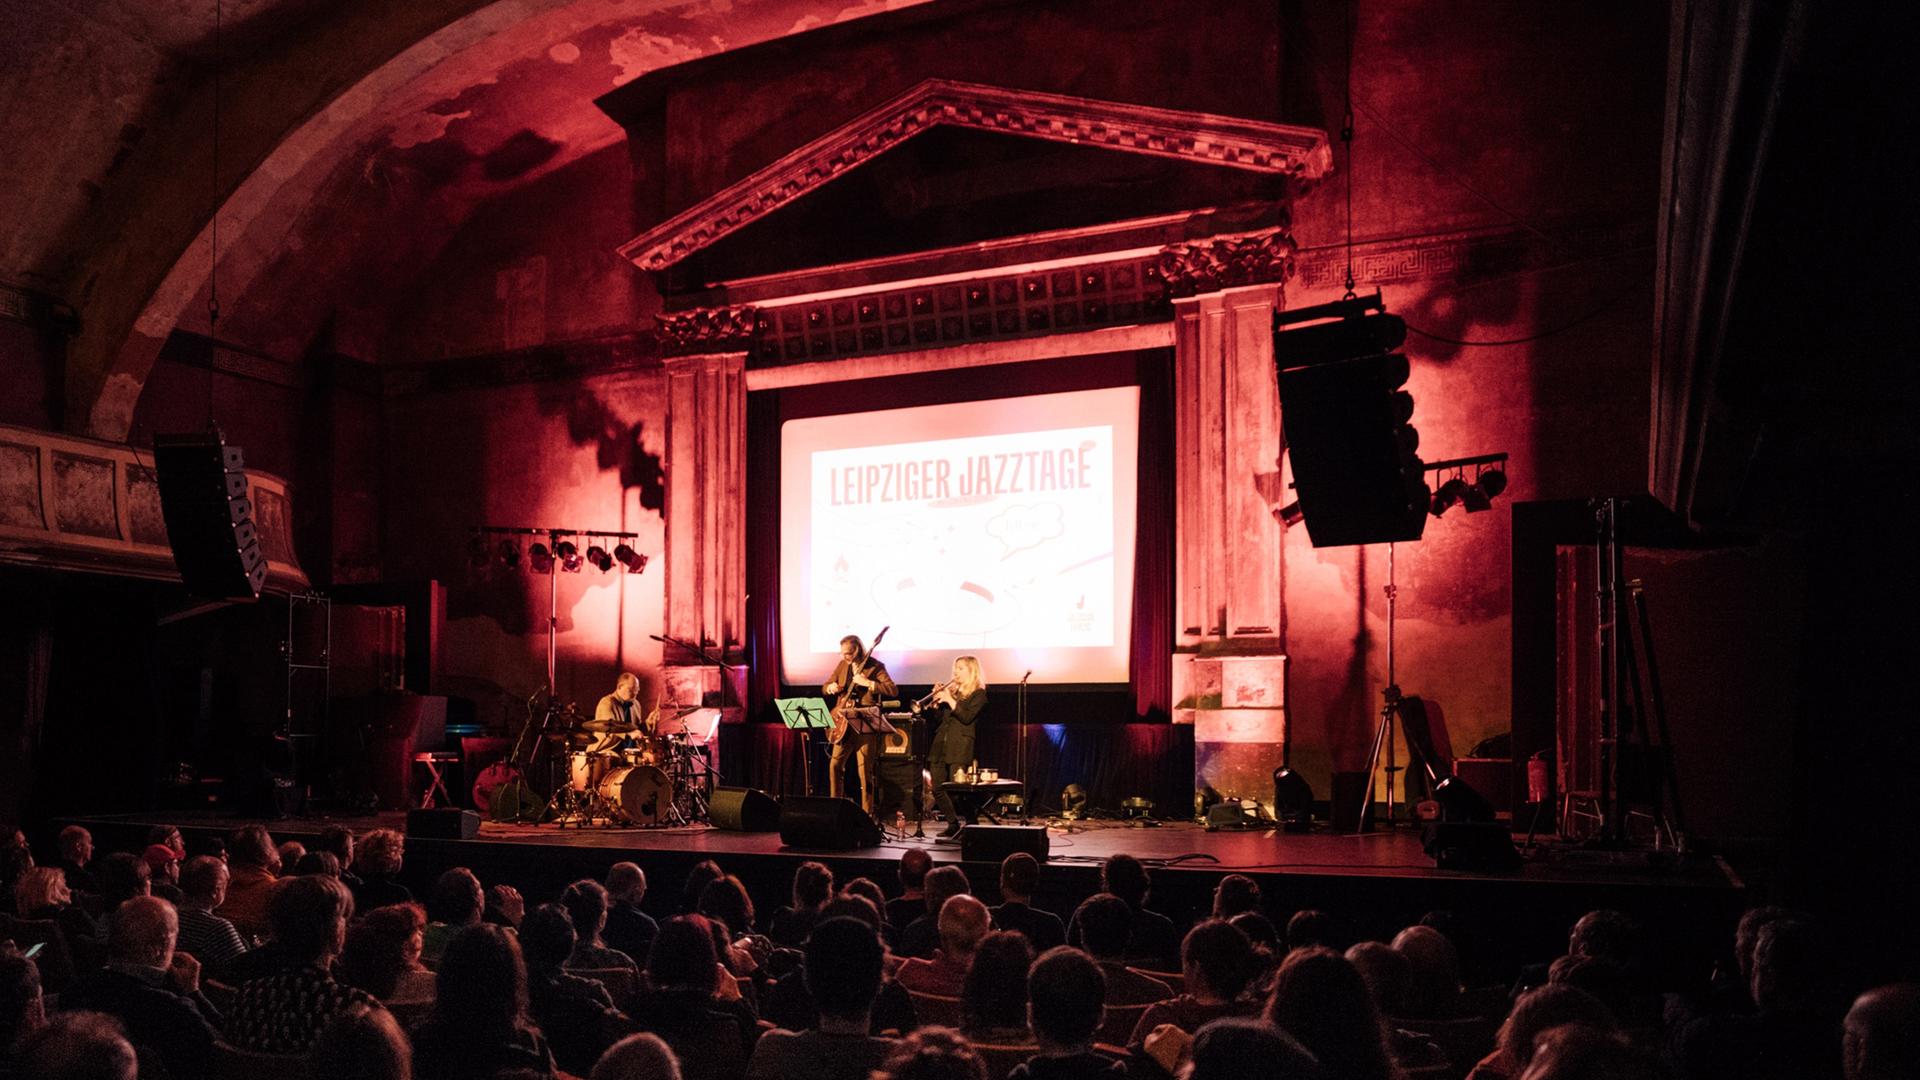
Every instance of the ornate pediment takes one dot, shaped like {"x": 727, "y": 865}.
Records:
{"x": 1299, "y": 153}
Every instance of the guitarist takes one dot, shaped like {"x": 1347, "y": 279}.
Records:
{"x": 858, "y": 680}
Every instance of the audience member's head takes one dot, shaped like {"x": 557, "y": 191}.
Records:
{"x": 682, "y": 957}
{"x": 1386, "y": 972}
{"x": 23, "y": 1009}
{"x": 1106, "y": 924}
{"x": 1543, "y": 1008}
{"x": 637, "y": 1057}
{"x": 1311, "y": 928}
{"x": 854, "y": 906}
{"x": 78, "y": 1046}
{"x": 16, "y": 858}
{"x": 1019, "y": 877}
{"x": 994, "y": 995}
{"x": 203, "y": 882}
{"x": 201, "y": 843}
{"x": 1236, "y": 1049}
{"x": 1436, "y": 971}
{"x": 1790, "y": 967}
{"x": 812, "y": 886}
{"x": 1235, "y": 893}
{"x": 456, "y": 898}
{"x": 168, "y": 836}
{"x": 309, "y": 916}
{"x": 725, "y": 901}
{"x": 704, "y": 873}
{"x": 1067, "y": 995}
{"x": 1320, "y": 999}
{"x": 547, "y": 937}
{"x": 1216, "y": 961}
{"x": 1882, "y": 1035}
{"x": 76, "y": 845}
{"x": 963, "y": 924}
{"x": 380, "y": 946}
{"x": 379, "y": 853}
{"x": 868, "y": 889}
{"x": 143, "y": 931}
{"x": 1259, "y": 930}
{"x": 481, "y": 985}
{"x": 290, "y": 852}
{"x": 844, "y": 960}
{"x": 40, "y": 889}
{"x": 121, "y": 877}
{"x": 361, "y": 1042}
{"x": 1747, "y": 934}
{"x": 1580, "y": 1052}
{"x": 626, "y": 883}
{"x": 336, "y": 840}
{"x": 941, "y": 885}
{"x": 318, "y": 862}
{"x": 1604, "y": 979}
{"x": 933, "y": 1053}
{"x": 162, "y": 863}
{"x": 505, "y": 906}
{"x": 1125, "y": 877}
{"x": 914, "y": 865}
{"x": 1605, "y": 935}
{"x": 251, "y": 846}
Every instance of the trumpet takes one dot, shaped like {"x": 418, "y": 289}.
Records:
{"x": 922, "y": 703}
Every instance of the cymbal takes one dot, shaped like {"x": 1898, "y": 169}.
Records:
{"x": 605, "y": 727}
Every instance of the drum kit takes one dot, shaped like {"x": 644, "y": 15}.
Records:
{"x": 656, "y": 773}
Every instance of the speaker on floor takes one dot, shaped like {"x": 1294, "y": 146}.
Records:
{"x": 822, "y": 823}
{"x": 740, "y": 809}
{"x": 205, "y": 499}
{"x": 443, "y": 823}
{"x": 1482, "y": 847}
{"x": 992, "y": 843}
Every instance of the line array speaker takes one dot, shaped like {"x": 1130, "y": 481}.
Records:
{"x": 205, "y": 500}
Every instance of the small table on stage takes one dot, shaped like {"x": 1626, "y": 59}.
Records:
{"x": 972, "y": 800}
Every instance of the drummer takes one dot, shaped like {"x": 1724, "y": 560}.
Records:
{"x": 615, "y": 714}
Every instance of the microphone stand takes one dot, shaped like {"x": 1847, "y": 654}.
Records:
{"x": 1020, "y": 755}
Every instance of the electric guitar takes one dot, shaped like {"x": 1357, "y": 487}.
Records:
{"x": 850, "y": 694}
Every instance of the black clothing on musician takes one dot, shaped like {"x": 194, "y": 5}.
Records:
{"x": 863, "y": 749}
{"x": 1042, "y": 929}
{"x": 953, "y": 747}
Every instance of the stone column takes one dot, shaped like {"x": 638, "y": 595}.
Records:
{"x": 1229, "y": 664}
{"x": 706, "y": 455}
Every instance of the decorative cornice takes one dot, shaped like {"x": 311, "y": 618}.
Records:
{"x": 1228, "y": 142}
{"x": 1223, "y": 262}
{"x": 703, "y": 330}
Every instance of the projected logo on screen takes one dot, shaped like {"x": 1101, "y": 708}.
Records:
{"x": 1003, "y": 540}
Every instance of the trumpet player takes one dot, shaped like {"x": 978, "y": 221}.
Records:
{"x": 955, "y": 706}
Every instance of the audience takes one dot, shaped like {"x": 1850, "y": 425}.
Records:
{"x": 844, "y": 957}
{"x": 1795, "y": 1029}
{"x": 16, "y": 858}
{"x": 76, "y": 851}
{"x": 725, "y": 901}
{"x": 505, "y": 906}
{"x": 812, "y": 888}
{"x": 121, "y": 876}
{"x": 1320, "y": 999}
{"x": 586, "y": 904}
{"x": 1536, "y": 1011}
{"x": 318, "y": 862}
{"x": 153, "y": 992}
{"x": 1067, "y": 995}
{"x": 479, "y": 1025}
{"x": 23, "y": 1008}
{"x": 1312, "y": 929}
{"x": 41, "y": 893}
{"x": 207, "y": 937}
{"x": 1104, "y": 923}
{"x": 629, "y": 929}
{"x": 638, "y": 1057}
{"x": 382, "y": 952}
{"x": 693, "y": 1004}
{"x": 1881, "y": 1035}
{"x": 789, "y": 1004}
{"x": 933, "y": 1053}
{"x": 912, "y": 901}
{"x": 577, "y": 1015}
{"x": 1580, "y": 1052}
{"x": 1234, "y": 1049}
{"x": 921, "y": 937}
{"x": 993, "y": 998}
{"x": 255, "y": 868}
{"x": 963, "y": 924}
{"x": 1236, "y": 893}
{"x": 454, "y": 904}
{"x": 290, "y": 853}
{"x": 284, "y": 1012}
{"x": 1152, "y": 941}
{"x": 377, "y": 860}
{"x": 1216, "y": 964}
{"x": 704, "y": 873}
{"x": 337, "y": 841}
{"x": 1433, "y": 993}
{"x": 78, "y": 1046}
{"x": 1019, "y": 878}
{"x": 362, "y": 1043}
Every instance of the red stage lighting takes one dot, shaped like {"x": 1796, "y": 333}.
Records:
{"x": 631, "y": 559}
{"x": 598, "y": 556}
{"x": 540, "y": 559}
{"x": 509, "y": 554}
{"x": 569, "y": 556}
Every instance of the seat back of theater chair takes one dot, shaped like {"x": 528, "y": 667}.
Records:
{"x": 232, "y": 1063}
{"x": 936, "y": 1010}
{"x": 55, "y": 960}
{"x": 1000, "y": 1058}
{"x": 1465, "y": 1041}
{"x": 1174, "y": 979}
{"x": 623, "y": 984}
{"x": 1120, "y": 1021}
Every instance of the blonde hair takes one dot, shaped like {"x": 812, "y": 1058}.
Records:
{"x": 40, "y": 887}
{"x": 973, "y": 680}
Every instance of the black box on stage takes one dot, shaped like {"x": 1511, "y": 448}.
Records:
{"x": 1483, "y": 847}
{"x": 992, "y": 843}
{"x": 825, "y": 824}
{"x": 740, "y": 809}
{"x": 443, "y": 824}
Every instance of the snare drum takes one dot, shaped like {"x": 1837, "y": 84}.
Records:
{"x": 641, "y": 794}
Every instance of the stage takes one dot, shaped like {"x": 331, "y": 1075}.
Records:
{"x": 1375, "y": 883}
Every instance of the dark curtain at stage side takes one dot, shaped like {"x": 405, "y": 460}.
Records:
{"x": 1153, "y": 542}
{"x": 763, "y": 554}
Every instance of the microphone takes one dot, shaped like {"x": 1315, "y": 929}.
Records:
{"x": 1024, "y": 678}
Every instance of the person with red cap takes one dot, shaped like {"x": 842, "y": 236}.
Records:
{"x": 164, "y": 863}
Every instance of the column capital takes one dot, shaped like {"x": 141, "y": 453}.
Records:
{"x": 1222, "y": 262}
{"x": 706, "y": 330}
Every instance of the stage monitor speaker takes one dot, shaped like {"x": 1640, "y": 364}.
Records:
{"x": 992, "y": 843}
{"x": 205, "y": 500}
{"x": 740, "y": 809}
{"x": 1355, "y": 468}
{"x": 822, "y": 823}
{"x": 443, "y": 824}
{"x": 1482, "y": 847}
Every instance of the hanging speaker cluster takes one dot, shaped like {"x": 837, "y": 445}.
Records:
{"x": 207, "y": 504}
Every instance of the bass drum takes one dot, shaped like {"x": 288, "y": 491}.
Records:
{"x": 640, "y": 794}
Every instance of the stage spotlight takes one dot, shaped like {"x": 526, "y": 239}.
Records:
{"x": 509, "y": 554}
{"x": 1450, "y": 492}
{"x": 598, "y": 556}
{"x": 1073, "y": 802}
{"x": 479, "y": 553}
{"x": 1493, "y": 482}
{"x": 1475, "y": 500}
{"x": 539, "y": 559}
{"x": 631, "y": 559}
{"x": 569, "y": 556}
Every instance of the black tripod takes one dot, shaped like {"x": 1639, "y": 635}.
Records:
{"x": 1389, "y": 716}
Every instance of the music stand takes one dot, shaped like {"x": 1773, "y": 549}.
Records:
{"x": 805, "y": 715}
{"x": 869, "y": 720}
